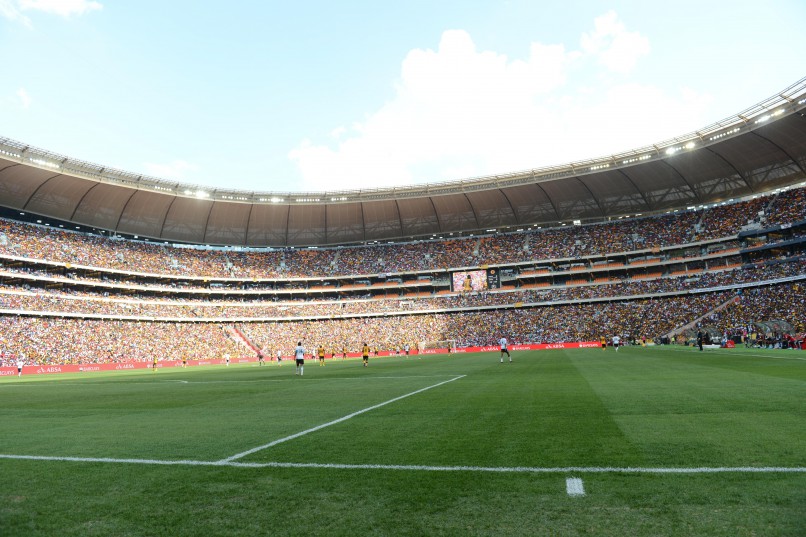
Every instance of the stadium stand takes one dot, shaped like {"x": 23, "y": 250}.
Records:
{"x": 70, "y": 297}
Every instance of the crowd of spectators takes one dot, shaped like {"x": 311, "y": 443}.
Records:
{"x": 728, "y": 219}
{"x": 62, "y": 341}
{"x": 789, "y": 207}
{"x": 16, "y": 299}
{"x": 77, "y": 341}
{"x": 638, "y": 233}
{"x": 780, "y": 302}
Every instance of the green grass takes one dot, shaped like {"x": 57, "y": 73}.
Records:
{"x": 638, "y": 408}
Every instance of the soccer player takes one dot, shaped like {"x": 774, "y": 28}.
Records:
{"x": 154, "y": 365}
{"x": 406, "y": 349}
{"x": 184, "y": 360}
{"x": 299, "y": 355}
{"x": 226, "y": 357}
{"x": 279, "y": 357}
{"x": 320, "y": 352}
{"x": 20, "y": 363}
{"x": 616, "y": 342}
{"x": 343, "y": 352}
{"x": 260, "y": 360}
{"x": 504, "y": 350}
{"x": 604, "y": 343}
{"x": 365, "y": 354}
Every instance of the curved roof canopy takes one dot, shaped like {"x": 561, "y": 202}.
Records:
{"x": 757, "y": 150}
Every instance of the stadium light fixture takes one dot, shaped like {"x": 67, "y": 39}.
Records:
{"x": 40, "y": 162}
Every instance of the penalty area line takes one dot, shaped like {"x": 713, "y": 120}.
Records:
{"x": 428, "y": 468}
{"x": 334, "y": 422}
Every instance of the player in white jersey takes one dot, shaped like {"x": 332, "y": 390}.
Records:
{"x": 279, "y": 357}
{"x": 299, "y": 355}
{"x": 20, "y": 363}
{"x": 616, "y": 342}
{"x": 503, "y": 343}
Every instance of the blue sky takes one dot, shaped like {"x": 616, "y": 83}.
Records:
{"x": 311, "y": 96}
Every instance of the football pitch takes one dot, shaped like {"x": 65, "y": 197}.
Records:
{"x": 644, "y": 441}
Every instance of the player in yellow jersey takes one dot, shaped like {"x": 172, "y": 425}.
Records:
{"x": 343, "y": 352}
{"x": 154, "y": 365}
{"x": 365, "y": 354}
{"x": 603, "y": 341}
{"x": 320, "y": 352}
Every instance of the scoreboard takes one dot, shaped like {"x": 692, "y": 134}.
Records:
{"x": 468, "y": 281}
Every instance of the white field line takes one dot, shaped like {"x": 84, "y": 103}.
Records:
{"x": 574, "y": 487}
{"x": 424, "y": 468}
{"x": 739, "y": 353}
{"x": 754, "y": 354}
{"x": 334, "y": 422}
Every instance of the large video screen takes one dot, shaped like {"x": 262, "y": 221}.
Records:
{"x": 468, "y": 281}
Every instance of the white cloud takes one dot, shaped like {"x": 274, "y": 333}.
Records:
{"x": 64, "y": 8}
{"x": 13, "y": 9}
{"x": 460, "y": 112}
{"x": 10, "y": 11}
{"x": 25, "y": 99}
{"x": 176, "y": 169}
{"x": 616, "y": 48}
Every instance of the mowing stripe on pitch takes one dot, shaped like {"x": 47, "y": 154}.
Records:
{"x": 574, "y": 487}
{"x": 425, "y": 468}
{"x": 334, "y": 422}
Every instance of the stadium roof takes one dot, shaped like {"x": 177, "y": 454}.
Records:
{"x": 757, "y": 150}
